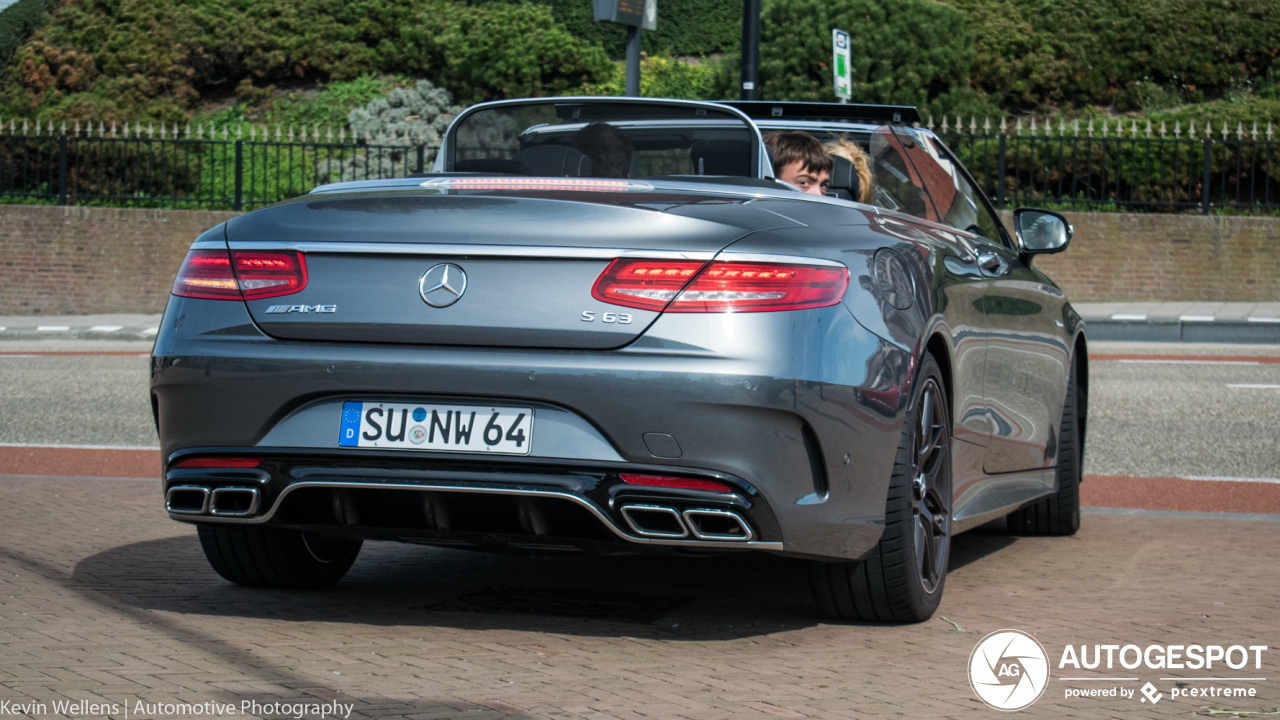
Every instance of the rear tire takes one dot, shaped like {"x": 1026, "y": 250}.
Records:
{"x": 1058, "y": 514}
{"x": 902, "y": 579}
{"x": 276, "y": 557}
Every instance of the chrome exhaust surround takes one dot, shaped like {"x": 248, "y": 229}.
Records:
{"x": 657, "y": 517}
{"x": 725, "y": 525}
{"x": 187, "y": 500}
{"x": 234, "y": 501}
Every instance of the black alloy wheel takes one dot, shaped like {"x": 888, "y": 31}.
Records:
{"x": 901, "y": 580}
{"x": 931, "y": 488}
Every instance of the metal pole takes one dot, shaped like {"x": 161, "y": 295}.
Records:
{"x": 633, "y": 61}
{"x": 62, "y": 168}
{"x": 239, "y": 199}
{"x": 1000, "y": 171}
{"x": 1208, "y": 176}
{"x": 750, "y": 50}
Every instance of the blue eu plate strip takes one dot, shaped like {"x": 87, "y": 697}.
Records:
{"x": 349, "y": 436}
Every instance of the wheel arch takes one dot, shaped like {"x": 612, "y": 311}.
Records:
{"x": 939, "y": 346}
{"x": 1080, "y": 351}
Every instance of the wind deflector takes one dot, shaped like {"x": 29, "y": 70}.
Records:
{"x": 620, "y": 138}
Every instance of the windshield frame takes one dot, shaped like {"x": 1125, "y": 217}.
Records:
{"x": 445, "y": 157}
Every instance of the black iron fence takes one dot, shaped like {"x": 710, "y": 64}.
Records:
{"x": 1123, "y": 168}
{"x": 1090, "y": 168}
{"x": 232, "y": 170}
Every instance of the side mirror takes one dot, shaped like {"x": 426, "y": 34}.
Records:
{"x": 1041, "y": 231}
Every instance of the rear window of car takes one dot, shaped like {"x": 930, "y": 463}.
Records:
{"x": 603, "y": 139}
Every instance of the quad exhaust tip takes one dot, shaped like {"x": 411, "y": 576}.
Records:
{"x": 234, "y": 502}
{"x": 222, "y": 502}
{"x": 659, "y": 521}
{"x": 187, "y": 500}
{"x": 724, "y": 525}
{"x": 655, "y": 521}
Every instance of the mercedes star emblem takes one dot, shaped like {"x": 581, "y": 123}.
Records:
{"x": 442, "y": 285}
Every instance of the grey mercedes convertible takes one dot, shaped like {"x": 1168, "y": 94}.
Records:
{"x": 600, "y": 324}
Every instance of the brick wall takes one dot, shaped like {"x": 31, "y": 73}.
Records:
{"x": 1119, "y": 256}
{"x": 73, "y": 260}
{"x": 100, "y": 260}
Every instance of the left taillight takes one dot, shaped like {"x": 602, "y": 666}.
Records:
{"x": 240, "y": 274}
{"x": 718, "y": 287}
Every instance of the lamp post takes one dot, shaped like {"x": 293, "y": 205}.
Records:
{"x": 750, "y": 50}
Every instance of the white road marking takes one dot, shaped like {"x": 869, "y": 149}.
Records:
{"x": 150, "y": 331}
{"x": 1271, "y": 481}
{"x": 52, "y": 328}
{"x": 1246, "y": 386}
{"x": 79, "y": 447}
{"x": 1196, "y": 318}
{"x": 1129, "y": 316}
{"x": 106, "y": 328}
{"x": 1190, "y": 362}
{"x": 1264, "y": 319}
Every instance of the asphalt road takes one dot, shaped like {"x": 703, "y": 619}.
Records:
{"x": 1167, "y": 416}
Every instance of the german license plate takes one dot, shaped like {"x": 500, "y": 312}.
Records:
{"x": 456, "y": 428}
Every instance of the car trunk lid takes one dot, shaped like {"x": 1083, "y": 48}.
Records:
{"x": 481, "y": 269}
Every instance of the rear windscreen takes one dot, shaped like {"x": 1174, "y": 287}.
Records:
{"x": 605, "y": 140}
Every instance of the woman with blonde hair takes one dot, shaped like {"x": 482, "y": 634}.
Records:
{"x": 851, "y": 151}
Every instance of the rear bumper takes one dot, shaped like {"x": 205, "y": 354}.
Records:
{"x": 454, "y": 500}
{"x": 800, "y": 412}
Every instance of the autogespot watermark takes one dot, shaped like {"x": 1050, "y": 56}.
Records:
{"x": 144, "y": 708}
{"x": 1010, "y": 670}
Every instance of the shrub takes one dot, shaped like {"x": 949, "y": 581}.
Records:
{"x": 1037, "y": 52}
{"x": 685, "y": 27}
{"x": 499, "y": 50}
{"x": 396, "y": 124}
{"x": 121, "y": 59}
{"x": 17, "y": 21}
{"x": 664, "y": 77}
{"x": 903, "y": 51}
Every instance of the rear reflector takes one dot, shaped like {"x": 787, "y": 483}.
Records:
{"x": 696, "y": 287}
{"x": 240, "y": 275}
{"x": 546, "y": 184}
{"x": 674, "y": 482}
{"x": 220, "y": 462}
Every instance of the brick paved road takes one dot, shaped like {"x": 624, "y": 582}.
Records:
{"x": 103, "y": 598}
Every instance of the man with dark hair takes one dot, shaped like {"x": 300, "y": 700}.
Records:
{"x": 608, "y": 149}
{"x": 800, "y": 160}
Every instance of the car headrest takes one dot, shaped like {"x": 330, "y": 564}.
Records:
{"x": 554, "y": 161}
{"x": 721, "y": 157}
{"x": 844, "y": 180}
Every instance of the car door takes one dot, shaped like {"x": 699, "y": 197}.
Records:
{"x": 1026, "y": 351}
{"x": 958, "y": 288}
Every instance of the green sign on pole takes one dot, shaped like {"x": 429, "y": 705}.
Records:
{"x": 840, "y": 65}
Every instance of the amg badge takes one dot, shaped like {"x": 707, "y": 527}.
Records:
{"x": 282, "y": 309}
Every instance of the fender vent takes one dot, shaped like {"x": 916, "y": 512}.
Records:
{"x": 817, "y": 463}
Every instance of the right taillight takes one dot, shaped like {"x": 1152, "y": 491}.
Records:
{"x": 644, "y": 284}
{"x": 694, "y": 287}
{"x": 240, "y": 275}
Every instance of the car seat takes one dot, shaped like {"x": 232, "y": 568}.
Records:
{"x": 844, "y": 180}
{"x": 721, "y": 157}
{"x": 554, "y": 161}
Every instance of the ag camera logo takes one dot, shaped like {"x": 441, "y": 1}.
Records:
{"x": 1009, "y": 670}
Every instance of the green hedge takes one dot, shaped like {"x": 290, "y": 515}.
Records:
{"x": 17, "y": 21}
{"x": 685, "y": 27}
{"x": 125, "y": 59}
